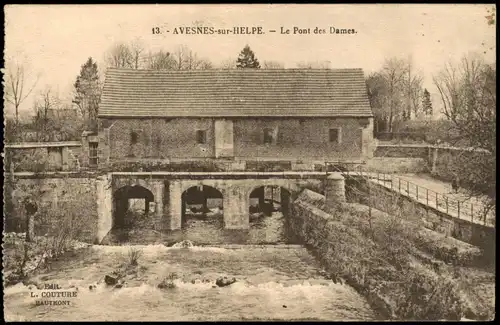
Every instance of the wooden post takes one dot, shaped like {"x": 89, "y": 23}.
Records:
{"x": 427, "y": 195}
{"x": 458, "y": 209}
{"x": 417, "y": 191}
{"x": 472, "y": 213}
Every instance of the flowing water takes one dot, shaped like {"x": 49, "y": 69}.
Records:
{"x": 273, "y": 283}
{"x": 281, "y": 281}
{"x": 208, "y": 229}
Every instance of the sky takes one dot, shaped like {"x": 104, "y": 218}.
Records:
{"x": 53, "y": 41}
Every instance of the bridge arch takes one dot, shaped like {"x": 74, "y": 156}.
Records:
{"x": 201, "y": 200}
{"x": 269, "y": 198}
{"x": 122, "y": 199}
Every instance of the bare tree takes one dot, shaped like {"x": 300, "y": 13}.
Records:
{"x": 16, "y": 89}
{"x": 314, "y": 65}
{"x": 413, "y": 85}
{"x": 160, "y": 61}
{"x": 42, "y": 108}
{"x": 120, "y": 56}
{"x": 394, "y": 71}
{"x": 386, "y": 89}
{"x": 228, "y": 64}
{"x": 468, "y": 93}
{"x": 136, "y": 49}
{"x": 185, "y": 59}
{"x": 272, "y": 65}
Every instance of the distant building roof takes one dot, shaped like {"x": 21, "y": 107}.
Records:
{"x": 232, "y": 93}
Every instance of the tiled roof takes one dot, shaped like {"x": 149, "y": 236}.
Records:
{"x": 231, "y": 93}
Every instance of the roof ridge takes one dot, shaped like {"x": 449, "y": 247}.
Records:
{"x": 230, "y": 70}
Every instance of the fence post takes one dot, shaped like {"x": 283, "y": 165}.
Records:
{"x": 458, "y": 209}
{"x": 427, "y": 195}
{"x": 417, "y": 191}
{"x": 437, "y": 206}
{"x": 472, "y": 213}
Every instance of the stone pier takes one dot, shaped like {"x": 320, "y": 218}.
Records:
{"x": 334, "y": 190}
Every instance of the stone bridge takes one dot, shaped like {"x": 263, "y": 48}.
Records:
{"x": 165, "y": 190}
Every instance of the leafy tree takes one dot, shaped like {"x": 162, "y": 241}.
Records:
{"x": 426, "y": 103}
{"x": 247, "y": 59}
{"x": 88, "y": 92}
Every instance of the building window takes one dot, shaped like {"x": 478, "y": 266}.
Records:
{"x": 93, "y": 159}
{"x": 268, "y": 135}
{"x": 334, "y": 135}
{"x": 133, "y": 137}
{"x": 201, "y": 136}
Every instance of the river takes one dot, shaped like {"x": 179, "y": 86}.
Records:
{"x": 279, "y": 281}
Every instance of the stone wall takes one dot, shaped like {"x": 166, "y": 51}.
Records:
{"x": 296, "y": 138}
{"x": 306, "y": 138}
{"x": 58, "y": 199}
{"x": 442, "y": 162}
{"x": 472, "y": 233}
{"x": 396, "y": 165}
{"x": 354, "y": 245}
{"x": 41, "y": 158}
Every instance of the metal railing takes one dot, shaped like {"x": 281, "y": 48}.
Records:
{"x": 439, "y": 201}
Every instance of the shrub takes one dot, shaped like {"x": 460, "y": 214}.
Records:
{"x": 133, "y": 256}
{"x": 168, "y": 282}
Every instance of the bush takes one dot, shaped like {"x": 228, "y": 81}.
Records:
{"x": 133, "y": 256}
{"x": 374, "y": 253}
{"x": 168, "y": 282}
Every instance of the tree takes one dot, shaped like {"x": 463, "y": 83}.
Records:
{"x": 413, "y": 88}
{"x": 426, "y": 103}
{"x": 247, "y": 59}
{"x": 136, "y": 49}
{"x": 41, "y": 118}
{"x": 120, "y": 56}
{"x": 468, "y": 93}
{"x": 88, "y": 92}
{"x": 228, "y": 64}
{"x": 16, "y": 88}
{"x": 181, "y": 59}
{"x": 314, "y": 65}
{"x": 272, "y": 65}
{"x": 160, "y": 61}
{"x": 386, "y": 89}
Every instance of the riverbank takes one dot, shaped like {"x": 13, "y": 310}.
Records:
{"x": 376, "y": 254}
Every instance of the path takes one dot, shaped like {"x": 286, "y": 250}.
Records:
{"x": 434, "y": 193}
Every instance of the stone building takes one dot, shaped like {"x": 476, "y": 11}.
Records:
{"x": 234, "y": 115}
{"x": 216, "y": 138}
